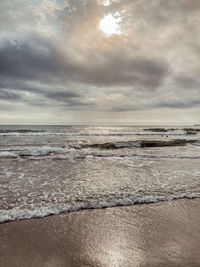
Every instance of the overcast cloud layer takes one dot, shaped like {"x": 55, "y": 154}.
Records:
{"x": 56, "y": 66}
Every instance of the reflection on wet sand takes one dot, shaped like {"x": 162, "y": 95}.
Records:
{"x": 161, "y": 234}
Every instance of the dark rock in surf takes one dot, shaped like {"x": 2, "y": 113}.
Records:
{"x": 176, "y": 142}
{"x": 141, "y": 143}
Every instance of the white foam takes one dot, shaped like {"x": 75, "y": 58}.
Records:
{"x": 43, "y": 151}
{"x": 23, "y": 134}
{"x": 104, "y": 154}
{"x": 127, "y": 144}
{"x": 182, "y": 132}
{"x": 17, "y": 213}
{"x": 64, "y": 157}
{"x": 7, "y": 154}
{"x": 93, "y": 134}
{"x": 121, "y": 155}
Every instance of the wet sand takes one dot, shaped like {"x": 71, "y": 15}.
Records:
{"x": 149, "y": 235}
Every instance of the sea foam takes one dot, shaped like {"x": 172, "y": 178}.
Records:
{"x": 172, "y": 133}
{"x": 7, "y": 154}
{"x": 53, "y": 209}
{"x": 42, "y": 151}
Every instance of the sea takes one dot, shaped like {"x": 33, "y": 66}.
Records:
{"x": 53, "y": 169}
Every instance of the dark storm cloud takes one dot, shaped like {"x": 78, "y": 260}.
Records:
{"x": 61, "y": 95}
{"x": 29, "y": 59}
{"x": 9, "y": 95}
{"x": 67, "y": 100}
{"x": 38, "y": 59}
{"x": 124, "y": 71}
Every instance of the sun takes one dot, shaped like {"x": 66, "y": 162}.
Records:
{"x": 110, "y": 24}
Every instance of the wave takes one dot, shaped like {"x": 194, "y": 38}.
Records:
{"x": 53, "y": 152}
{"x": 123, "y": 155}
{"x": 112, "y": 155}
{"x": 189, "y": 131}
{"x": 173, "y": 133}
{"x": 65, "y": 157}
{"x": 42, "y": 151}
{"x": 52, "y": 209}
{"x": 19, "y": 131}
{"x": 7, "y": 154}
{"x": 139, "y": 143}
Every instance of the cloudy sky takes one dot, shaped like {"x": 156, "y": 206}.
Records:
{"x": 99, "y": 61}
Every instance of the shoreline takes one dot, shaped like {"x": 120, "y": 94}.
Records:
{"x": 94, "y": 206}
{"x": 154, "y": 234}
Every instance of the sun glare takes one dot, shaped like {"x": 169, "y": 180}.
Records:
{"x": 110, "y": 24}
{"x": 106, "y": 3}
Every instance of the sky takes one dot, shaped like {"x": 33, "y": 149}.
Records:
{"x": 100, "y": 62}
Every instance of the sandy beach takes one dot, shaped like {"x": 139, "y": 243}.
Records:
{"x": 160, "y": 234}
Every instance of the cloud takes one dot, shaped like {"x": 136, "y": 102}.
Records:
{"x": 9, "y": 95}
{"x": 188, "y": 82}
{"x": 52, "y": 54}
{"x": 38, "y": 59}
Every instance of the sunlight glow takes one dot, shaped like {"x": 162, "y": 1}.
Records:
{"x": 106, "y": 3}
{"x": 110, "y": 24}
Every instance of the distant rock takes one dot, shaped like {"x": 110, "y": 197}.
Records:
{"x": 176, "y": 142}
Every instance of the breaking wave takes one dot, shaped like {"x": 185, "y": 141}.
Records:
{"x": 109, "y": 146}
{"x": 7, "y": 154}
{"x": 171, "y": 133}
{"x": 42, "y": 151}
{"x": 36, "y": 181}
{"x": 52, "y": 209}
{"x": 139, "y": 143}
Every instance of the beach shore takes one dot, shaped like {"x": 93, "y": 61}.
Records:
{"x": 148, "y": 235}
